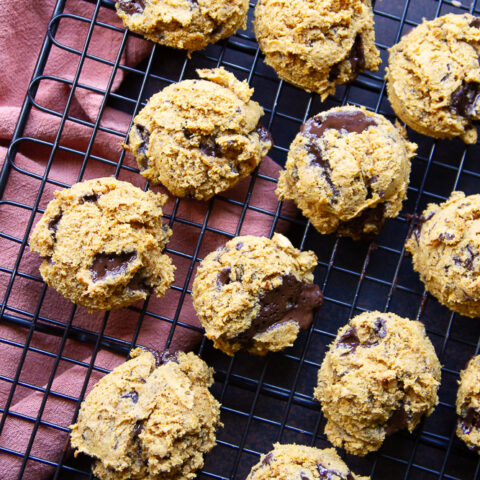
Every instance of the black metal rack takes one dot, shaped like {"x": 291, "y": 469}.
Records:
{"x": 269, "y": 399}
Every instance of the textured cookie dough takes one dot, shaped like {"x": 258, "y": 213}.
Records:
{"x": 151, "y": 417}
{"x": 317, "y": 44}
{"x": 445, "y": 251}
{"x": 297, "y": 462}
{"x": 380, "y": 375}
{"x": 347, "y": 170}
{"x": 185, "y": 24}
{"x": 433, "y": 77}
{"x": 103, "y": 243}
{"x": 256, "y": 294}
{"x": 468, "y": 405}
{"x": 200, "y": 137}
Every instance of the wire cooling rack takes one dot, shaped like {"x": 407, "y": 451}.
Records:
{"x": 269, "y": 399}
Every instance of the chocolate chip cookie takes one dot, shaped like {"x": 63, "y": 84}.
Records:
{"x": 468, "y": 405}
{"x": 317, "y": 44}
{"x": 380, "y": 375}
{"x": 255, "y": 294}
{"x": 347, "y": 170}
{"x": 200, "y": 137}
{"x": 103, "y": 243}
{"x": 433, "y": 77}
{"x": 297, "y": 462}
{"x": 185, "y": 24}
{"x": 151, "y": 417}
{"x": 445, "y": 249}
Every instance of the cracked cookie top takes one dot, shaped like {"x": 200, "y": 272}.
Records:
{"x": 103, "y": 243}
{"x": 347, "y": 170}
{"x": 380, "y": 375}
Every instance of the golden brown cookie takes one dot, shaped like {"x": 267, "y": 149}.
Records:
{"x": 347, "y": 170}
{"x": 433, "y": 77}
{"x": 380, "y": 375}
{"x": 200, "y": 137}
{"x": 445, "y": 251}
{"x": 186, "y": 24}
{"x": 468, "y": 405}
{"x": 298, "y": 462}
{"x": 151, "y": 417}
{"x": 255, "y": 294}
{"x": 103, "y": 243}
{"x": 317, "y": 44}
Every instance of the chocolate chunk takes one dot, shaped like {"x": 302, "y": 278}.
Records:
{"x": 53, "y": 224}
{"x": 108, "y": 264}
{"x": 472, "y": 255}
{"x": 397, "y": 421}
{"x": 223, "y": 277}
{"x": 329, "y": 474}
{"x": 292, "y": 301}
{"x": 263, "y": 134}
{"x": 470, "y": 421}
{"x": 163, "y": 356}
{"x": 464, "y": 99}
{"x": 349, "y": 340}
{"x": 239, "y": 245}
{"x": 314, "y": 149}
{"x": 446, "y": 236}
{"x": 131, "y": 6}
{"x": 137, "y": 429}
{"x": 366, "y": 225}
{"x": 334, "y": 72}
{"x": 353, "y": 121}
{"x": 267, "y": 459}
{"x": 133, "y": 395}
{"x": 210, "y": 148}
{"x": 89, "y": 197}
{"x": 475, "y": 23}
{"x": 144, "y": 134}
{"x": 421, "y": 220}
{"x": 357, "y": 55}
{"x": 138, "y": 283}
{"x": 380, "y": 327}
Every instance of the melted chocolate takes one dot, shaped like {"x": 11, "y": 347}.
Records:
{"x": 138, "y": 283}
{"x": 223, "y": 277}
{"x": 137, "y": 429}
{"x": 90, "y": 197}
{"x": 144, "y": 134}
{"x": 131, "y": 6}
{"x": 263, "y": 134}
{"x": 314, "y": 149}
{"x": 470, "y": 421}
{"x": 53, "y": 224}
{"x": 349, "y": 340}
{"x": 303, "y": 476}
{"x": 210, "y": 148}
{"x": 268, "y": 459}
{"x": 108, "y": 264}
{"x": 397, "y": 421}
{"x": 380, "y": 327}
{"x": 472, "y": 255}
{"x": 357, "y": 55}
{"x": 133, "y": 395}
{"x": 163, "y": 356}
{"x": 373, "y": 217}
{"x": 293, "y": 301}
{"x": 475, "y": 23}
{"x": 329, "y": 474}
{"x": 464, "y": 99}
{"x": 420, "y": 221}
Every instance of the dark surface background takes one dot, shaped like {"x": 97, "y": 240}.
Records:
{"x": 269, "y": 399}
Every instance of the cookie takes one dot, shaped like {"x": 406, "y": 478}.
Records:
{"x": 379, "y": 376}
{"x": 347, "y": 170}
{"x": 317, "y": 44}
{"x": 151, "y": 417}
{"x": 445, "y": 249}
{"x": 200, "y": 137}
{"x": 433, "y": 77}
{"x": 297, "y": 462}
{"x": 185, "y": 24}
{"x": 255, "y": 294}
{"x": 103, "y": 241}
{"x": 468, "y": 405}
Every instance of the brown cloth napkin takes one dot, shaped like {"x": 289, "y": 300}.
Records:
{"x": 22, "y": 27}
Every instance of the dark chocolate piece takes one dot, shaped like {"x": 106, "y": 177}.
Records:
{"x": 315, "y": 150}
{"x": 292, "y": 301}
{"x": 472, "y": 255}
{"x": 420, "y": 221}
{"x": 209, "y": 147}
{"x": 53, "y": 224}
{"x": 357, "y": 55}
{"x": 131, "y": 6}
{"x": 303, "y": 476}
{"x": 263, "y": 134}
{"x": 138, "y": 282}
{"x": 397, "y": 421}
{"x": 380, "y": 327}
{"x": 334, "y": 72}
{"x": 475, "y": 23}
{"x": 144, "y": 134}
{"x": 137, "y": 429}
{"x": 89, "y": 197}
{"x": 133, "y": 395}
{"x": 268, "y": 459}
{"x": 356, "y": 227}
{"x": 465, "y": 98}
{"x": 223, "y": 277}
{"x": 328, "y": 474}
{"x": 163, "y": 356}
{"x": 349, "y": 340}
{"x": 470, "y": 421}
{"x": 108, "y": 264}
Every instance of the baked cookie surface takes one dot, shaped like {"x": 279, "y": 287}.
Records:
{"x": 468, "y": 405}
{"x": 298, "y": 462}
{"x": 445, "y": 251}
{"x": 103, "y": 243}
{"x": 347, "y": 170}
{"x": 317, "y": 44}
{"x": 185, "y": 24}
{"x": 200, "y": 137}
{"x": 433, "y": 77}
{"x": 380, "y": 375}
{"x": 151, "y": 417}
{"x": 255, "y": 294}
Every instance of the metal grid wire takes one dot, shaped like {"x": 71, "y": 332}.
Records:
{"x": 269, "y": 399}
